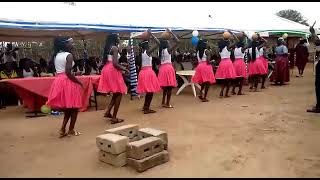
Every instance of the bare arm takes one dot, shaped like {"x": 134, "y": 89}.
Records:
{"x": 155, "y": 46}
{"x": 68, "y": 70}
{"x": 208, "y": 54}
{"x": 115, "y": 60}
{"x": 176, "y": 40}
{"x": 263, "y": 41}
{"x": 314, "y": 37}
{"x": 234, "y": 42}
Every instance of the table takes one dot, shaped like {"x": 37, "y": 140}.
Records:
{"x": 186, "y": 77}
{"x": 34, "y": 91}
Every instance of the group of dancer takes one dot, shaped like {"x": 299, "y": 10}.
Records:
{"x": 65, "y": 93}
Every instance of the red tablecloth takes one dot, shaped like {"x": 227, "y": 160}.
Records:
{"x": 34, "y": 91}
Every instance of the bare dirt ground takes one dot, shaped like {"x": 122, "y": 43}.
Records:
{"x": 262, "y": 134}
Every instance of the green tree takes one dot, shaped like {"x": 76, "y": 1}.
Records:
{"x": 293, "y": 15}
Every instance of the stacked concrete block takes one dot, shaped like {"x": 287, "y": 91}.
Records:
{"x": 150, "y": 132}
{"x": 130, "y": 130}
{"x": 112, "y": 149}
{"x": 141, "y": 149}
{"x": 146, "y": 153}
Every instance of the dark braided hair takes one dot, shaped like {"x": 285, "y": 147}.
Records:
{"x": 144, "y": 45}
{"x": 163, "y": 44}
{"x": 202, "y": 45}
{"x": 111, "y": 40}
{"x": 222, "y": 44}
{"x": 254, "y": 45}
{"x": 59, "y": 44}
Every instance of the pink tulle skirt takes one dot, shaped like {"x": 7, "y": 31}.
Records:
{"x": 111, "y": 80}
{"x": 204, "y": 73}
{"x": 225, "y": 69}
{"x": 64, "y": 93}
{"x": 167, "y": 75}
{"x": 148, "y": 81}
{"x": 240, "y": 67}
{"x": 257, "y": 67}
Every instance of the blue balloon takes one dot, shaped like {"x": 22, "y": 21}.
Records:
{"x": 194, "y": 40}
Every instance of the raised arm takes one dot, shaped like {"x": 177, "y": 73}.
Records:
{"x": 262, "y": 40}
{"x": 234, "y": 42}
{"x": 153, "y": 48}
{"x": 176, "y": 40}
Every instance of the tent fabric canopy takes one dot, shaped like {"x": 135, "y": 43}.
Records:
{"x": 44, "y": 20}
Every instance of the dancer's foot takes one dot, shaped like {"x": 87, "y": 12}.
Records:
{"x": 149, "y": 111}
{"x": 107, "y": 115}
{"x": 116, "y": 120}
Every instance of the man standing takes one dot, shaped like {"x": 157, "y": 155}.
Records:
{"x": 315, "y": 39}
{"x": 302, "y": 55}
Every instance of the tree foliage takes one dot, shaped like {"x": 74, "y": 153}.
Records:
{"x": 293, "y": 15}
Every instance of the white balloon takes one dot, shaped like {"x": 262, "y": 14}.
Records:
{"x": 195, "y": 33}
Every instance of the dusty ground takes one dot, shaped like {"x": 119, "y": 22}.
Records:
{"x": 262, "y": 134}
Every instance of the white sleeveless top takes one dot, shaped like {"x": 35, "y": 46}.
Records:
{"x": 146, "y": 60}
{"x": 257, "y": 52}
{"x": 225, "y": 53}
{"x": 60, "y": 62}
{"x": 27, "y": 74}
{"x": 111, "y": 56}
{"x": 238, "y": 53}
{"x": 204, "y": 57}
{"x": 165, "y": 56}
{"x": 261, "y": 51}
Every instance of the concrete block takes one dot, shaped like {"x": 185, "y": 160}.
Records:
{"x": 112, "y": 143}
{"x": 147, "y": 132}
{"x": 136, "y": 138}
{"x": 148, "y": 162}
{"x": 144, "y": 148}
{"x": 130, "y": 130}
{"x": 117, "y": 160}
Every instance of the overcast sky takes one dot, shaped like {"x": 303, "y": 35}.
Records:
{"x": 310, "y": 10}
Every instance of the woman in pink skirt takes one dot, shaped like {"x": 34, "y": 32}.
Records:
{"x": 256, "y": 66}
{"x": 147, "y": 81}
{"x": 167, "y": 74}
{"x": 265, "y": 63}
{"x": 65, "y": 92}
{"x": 111, "y": 79}
{"x": 239, "y": 66}
{"x": 225, "y": 71}
{"x": 204, "y": 72}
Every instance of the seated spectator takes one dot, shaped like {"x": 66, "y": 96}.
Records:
{"x": 44, "y": 68}
{"x": 9, "y": 71}
{"x": 10, "y": 54}
{"x": 8, "y": 95}
{"x": 28, "y": 68}
{"x": 79, "y": 68}
{"x": 92, "y": 67}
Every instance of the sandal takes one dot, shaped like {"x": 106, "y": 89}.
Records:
{"x": 314, "y": 110}
{"x": 117, "y": 121}
{"x": 149, "y": 111}
{"x": 74, "y": 133}
{"x": 107, "y": 115}
{"x": 205, "y": 100}
{"x": 62, "y": 134}
{"x": 167, "y": 106}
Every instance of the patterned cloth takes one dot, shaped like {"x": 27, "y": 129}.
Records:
{"x": 133, "y": 71}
